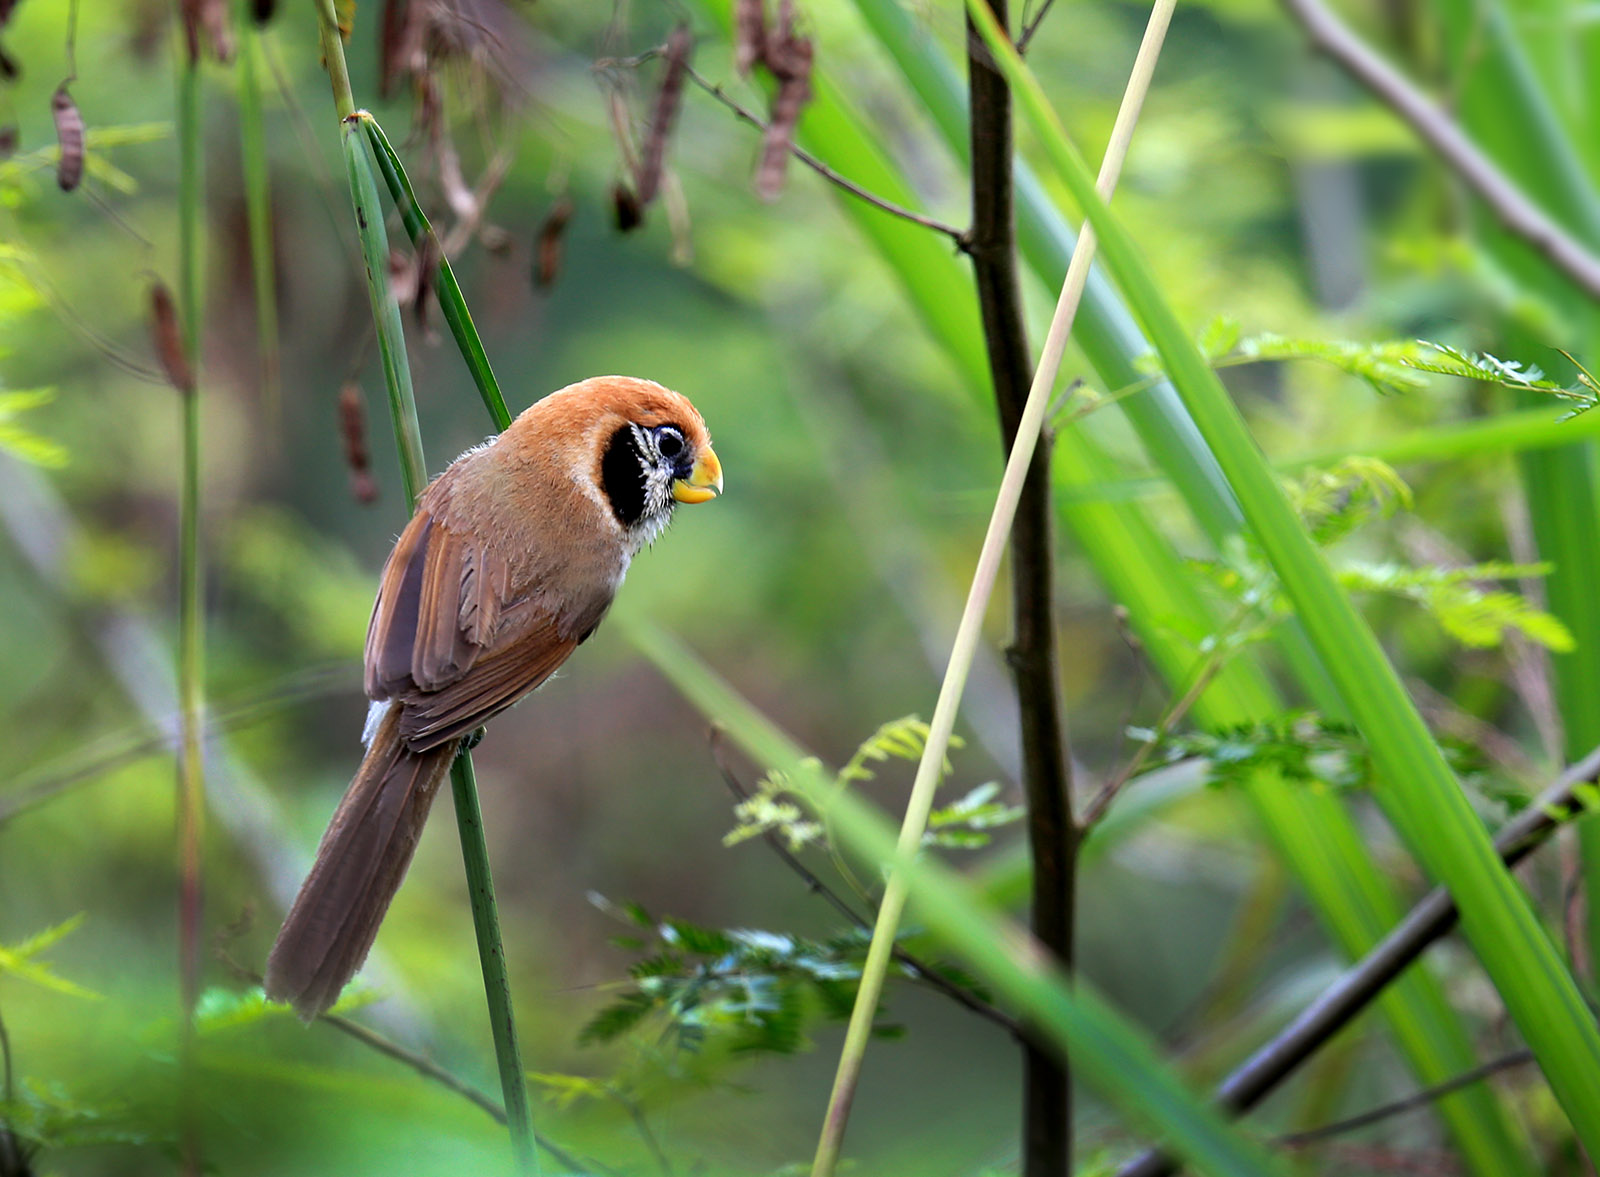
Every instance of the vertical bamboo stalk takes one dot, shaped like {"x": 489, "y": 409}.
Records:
{"x": 191, "y": 648}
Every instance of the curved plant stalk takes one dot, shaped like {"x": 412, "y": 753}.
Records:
{"x": 191, "y": 597}
{"x": 1111, "y": 1054}
{"x": 1418, "y": 790}
{"x": 408, "y": 440}
{"x": 967, "y": 633}
{"x": 451, "y": 302}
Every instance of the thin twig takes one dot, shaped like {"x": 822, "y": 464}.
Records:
{"x": 827, "y": 173}
{"x": 919, "y": 969}
{"x": 1029, "y": 28}
{"x": 1360, "y": 984}
{"x": 1419, "y": 1099}
{"x": 1102, "y": 800}
{"x": 929, "y": 768}
{"x": 1508, "y": 202}
{"x": 428, "y": 1069}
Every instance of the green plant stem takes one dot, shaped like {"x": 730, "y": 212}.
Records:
{"x": 451, "y": 301}
{"x": 967, "y": 631}
{"x": 191, "y": 799}
{"x": 492, "y": 958}
{"x": 258, "y": 211}
{"x": 386, "y": 313}
{"x": 408, "y": 440}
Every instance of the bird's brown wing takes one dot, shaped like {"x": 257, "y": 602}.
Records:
{"x": 439, "y": 601}
{"x": 498, "y": 680}
{"x": 431, "y": 642}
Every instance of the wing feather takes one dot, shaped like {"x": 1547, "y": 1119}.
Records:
{"x": 497, "y": 681}
{"x": 445, "y": 642}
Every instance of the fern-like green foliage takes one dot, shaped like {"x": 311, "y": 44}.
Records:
{"x": 964, "y": 824}
{"x": 742, "y": 990}
{"x": 20, "y": 960}
{"x": 1299, "y": 746}
{"x": 18, "y": 440}
{"x": 774, "y": 809}
{"x": 1335, "y": 502}
{"x": 1458, "y": 599}
{"x": 1391, "y": 366}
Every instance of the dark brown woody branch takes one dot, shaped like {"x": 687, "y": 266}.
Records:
{"x": 1053, "y": 834}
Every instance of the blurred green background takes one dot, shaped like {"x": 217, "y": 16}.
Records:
{"x": 824, "y": 585}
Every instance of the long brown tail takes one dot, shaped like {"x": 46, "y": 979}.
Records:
{"x": 359, "y": 865}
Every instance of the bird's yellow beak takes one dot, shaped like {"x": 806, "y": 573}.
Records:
{"x": 704, "y": 482}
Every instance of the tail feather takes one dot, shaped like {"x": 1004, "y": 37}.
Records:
{"x": 360, "y": 863}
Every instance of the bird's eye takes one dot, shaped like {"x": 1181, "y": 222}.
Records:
{"x": 669, "y": 442}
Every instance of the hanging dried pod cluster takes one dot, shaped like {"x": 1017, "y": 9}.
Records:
{"x": 69, "y": 134}
{"x": 417, "y": 41}
{"x": 205, "y": 22}
{"x": 168, "y": 338}
{"x": 353, "y": 435}
{"x": 663, "y": 115}
{"x": 787, "y": 57}
{"x": 9, "y": 70}
{"x": 548, "y": 246}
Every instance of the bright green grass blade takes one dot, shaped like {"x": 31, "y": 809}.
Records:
{"x": 1109, "y": 1053}
{"x": 385, "y": 310}
{"x": 451, "y": 300}
{"x": 1418, "y": 789}
{"x": 1311, "y": 831}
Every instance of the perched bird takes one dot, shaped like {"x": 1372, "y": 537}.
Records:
{"x": 510, "y": 562}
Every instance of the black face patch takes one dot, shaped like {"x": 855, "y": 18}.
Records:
{"x": 622, "y": 476}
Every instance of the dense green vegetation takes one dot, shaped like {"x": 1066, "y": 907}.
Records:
{"x": 1315, "y": 541}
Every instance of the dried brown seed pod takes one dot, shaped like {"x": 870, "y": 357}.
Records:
{"x": 69, "y": 133}
{"x": 625, "y": 205}
{"x": 218, "y": 28}
{"x": 168, "y": 338}
{"x": 790, "y": 63}
{"x": 749, "y": 34}
{"x": 552, "y": 234}
{"x": 669, "y": 99}
{"x": 353, "y": 435}
{"x": 189, "y": 14}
